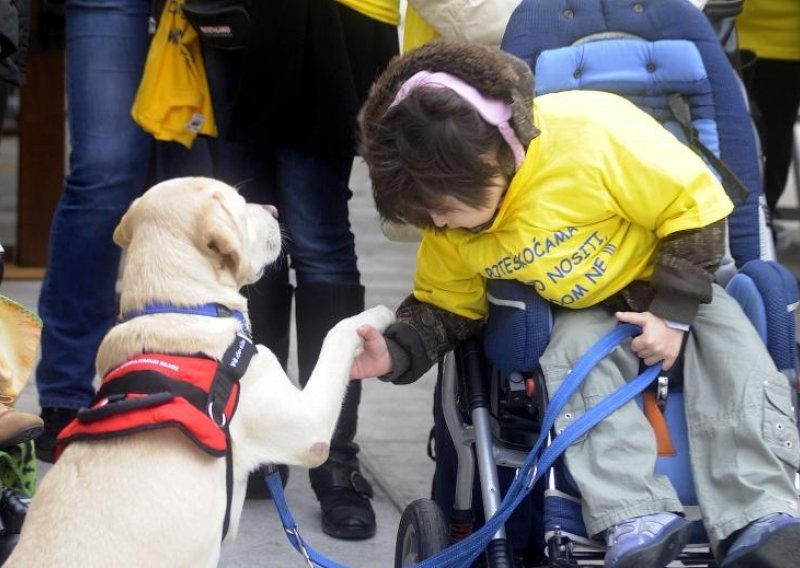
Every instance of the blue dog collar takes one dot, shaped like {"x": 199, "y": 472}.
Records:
{"x": 210, "y": 310}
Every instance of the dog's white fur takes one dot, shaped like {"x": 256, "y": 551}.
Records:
{"x": 154, "y": 498}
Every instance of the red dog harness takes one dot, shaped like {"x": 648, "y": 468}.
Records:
{"x": 195, "y": 394}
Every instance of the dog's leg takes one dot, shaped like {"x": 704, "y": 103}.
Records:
{"x": 290, "y": 426}
{"x": 342, "y": 344}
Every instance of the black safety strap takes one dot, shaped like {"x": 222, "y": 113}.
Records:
{"x": 148, "y": 382}
{"x": 232, "y": 367}
{"x": 680, "y": 110}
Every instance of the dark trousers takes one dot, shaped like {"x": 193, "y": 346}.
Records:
{"x": 774, "y": 87}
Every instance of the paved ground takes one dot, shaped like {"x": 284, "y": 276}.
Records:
{"x": 393, "y": 430}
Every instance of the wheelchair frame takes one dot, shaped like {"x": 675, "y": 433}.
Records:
{"x": 472, "y": 413}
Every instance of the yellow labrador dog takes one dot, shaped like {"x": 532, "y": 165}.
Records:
{"x": 153, "y": 498}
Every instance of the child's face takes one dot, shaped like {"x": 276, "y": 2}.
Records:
{"x": 453, "y": 213}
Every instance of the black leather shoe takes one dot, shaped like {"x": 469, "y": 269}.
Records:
{"x": 344, "y": 496}
{"x": 55, "y": 419}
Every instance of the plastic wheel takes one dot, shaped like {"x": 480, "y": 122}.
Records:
{"x": 422, "y": 533}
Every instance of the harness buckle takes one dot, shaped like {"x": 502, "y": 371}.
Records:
{"x": 662, "y": 392}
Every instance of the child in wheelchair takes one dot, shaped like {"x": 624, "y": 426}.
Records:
{"x": 609, "y": 217}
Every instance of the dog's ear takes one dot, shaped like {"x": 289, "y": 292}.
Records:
{"x": 124, "y": 231}
{"x": 219, "y": 232}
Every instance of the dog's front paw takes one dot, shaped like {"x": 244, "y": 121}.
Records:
{"x": 379, "y": 317}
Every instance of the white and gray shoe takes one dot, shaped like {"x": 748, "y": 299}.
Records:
{"x": 650, "y": 541}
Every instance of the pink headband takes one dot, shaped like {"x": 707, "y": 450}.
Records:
{"x": 494, "y": 111}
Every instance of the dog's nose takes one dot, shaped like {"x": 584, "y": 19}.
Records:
{"x": 272, "y": 210}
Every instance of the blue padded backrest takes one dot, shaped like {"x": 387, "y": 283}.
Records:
{"x": 642, "y": 71}
{"x": 540, "y": 25}
{"x": 518, "y": 328}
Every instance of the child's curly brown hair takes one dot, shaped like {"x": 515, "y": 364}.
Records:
{"x": 434, "y": 143}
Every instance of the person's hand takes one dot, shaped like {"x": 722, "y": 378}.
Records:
{"x": 375, "y": 360}
{"x": 658, "y": 342}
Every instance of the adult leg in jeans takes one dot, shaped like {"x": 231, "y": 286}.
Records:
{"x": 107, "y": 42}
{"x": 313, "y": 196}
{"x": 251, "y": 170}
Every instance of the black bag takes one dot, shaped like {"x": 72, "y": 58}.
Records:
{"x": 221, "y": 24}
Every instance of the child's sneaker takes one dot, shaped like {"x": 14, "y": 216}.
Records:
{"x": 766, "y": 543}
{"x": 651, "y": 540}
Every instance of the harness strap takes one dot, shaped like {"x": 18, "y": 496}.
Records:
{"x": 233, "y": 365}
{"x": 656, "y": 418}
{"x": 681, "y": 111}
{"x": 226, "y": 521}
{"x": 151, "y": 382}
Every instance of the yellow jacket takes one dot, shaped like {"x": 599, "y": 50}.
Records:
{"x": 771, "y": 28}
{"x": 583, "y": 216}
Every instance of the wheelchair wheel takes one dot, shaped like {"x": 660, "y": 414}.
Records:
{"x": 421, "y": 534}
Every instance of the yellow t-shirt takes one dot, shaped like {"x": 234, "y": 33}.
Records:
{"x": 386, "y": 11}
{"x": 771, "y": 28}
{"x": 582, "y": 218}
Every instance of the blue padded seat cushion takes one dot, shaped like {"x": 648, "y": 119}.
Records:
{"x": 518, "y": 327}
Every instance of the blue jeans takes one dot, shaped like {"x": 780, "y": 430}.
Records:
{"x": 310, "y": 188}
{"x": 311, "y": 195}
{"x": 107, "y": 42}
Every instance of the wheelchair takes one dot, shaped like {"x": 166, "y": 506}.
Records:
{"x": 677, "y": 63}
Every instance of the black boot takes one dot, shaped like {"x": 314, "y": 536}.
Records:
{"x": 270, "y": 305}
{"x": 269, "y": 302}
{"x": 344, "y": 494}
{"x": 55, "y": 419}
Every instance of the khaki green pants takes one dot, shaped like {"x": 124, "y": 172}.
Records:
{"x": 743, "y": 438}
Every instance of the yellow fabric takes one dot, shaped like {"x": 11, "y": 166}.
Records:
{"x": 771, "y": 28}
{"x": 20, "y": 332}
{"x": 416, "y": 30}
{"x": 173, "y": 102}
{"x": 583, "y": 216}
{"x": 386, "y": 11}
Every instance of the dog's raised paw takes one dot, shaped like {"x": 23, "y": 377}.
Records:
{"x": 380, "y": 317}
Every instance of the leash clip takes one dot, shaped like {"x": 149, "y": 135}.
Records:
{"x": 300, "y": 545}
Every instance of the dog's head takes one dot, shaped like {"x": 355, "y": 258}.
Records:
{"x": 192, "y": 220}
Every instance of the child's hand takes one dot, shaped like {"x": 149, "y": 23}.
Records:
{"x": 375, "y": 360}
{"x": 657, "y": 341}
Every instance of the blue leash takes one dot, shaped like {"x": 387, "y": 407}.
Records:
{"x": 463, "y": 553}
{"x": 313, "y": 558}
